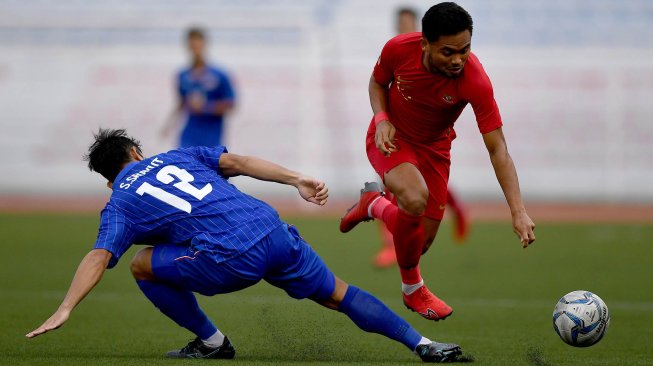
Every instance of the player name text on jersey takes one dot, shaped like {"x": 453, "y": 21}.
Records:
{"x": 134, "y": 177}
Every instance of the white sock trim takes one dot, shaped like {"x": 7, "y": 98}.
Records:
{"x": 216, "y": 340}
{"x": 423, "y": 341}
{"x": 409, "y": 289}
{"x": 369, "y": 208}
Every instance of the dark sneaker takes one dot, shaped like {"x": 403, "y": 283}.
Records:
{"x": 197, "y": 349}
{"x": 438, "y": 352}
{"x": 427, "y": 305}
{"x": 358, "y": 212}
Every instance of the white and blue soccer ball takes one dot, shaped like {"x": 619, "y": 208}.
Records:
{"x": 581, "y": 318}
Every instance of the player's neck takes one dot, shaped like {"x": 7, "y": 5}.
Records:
{"x": 198, "y": 63}
{"x": 425, "y": 63}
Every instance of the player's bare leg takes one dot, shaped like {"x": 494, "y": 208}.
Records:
{"x": 372, "y": 315}
{"x": 181, "y": 306}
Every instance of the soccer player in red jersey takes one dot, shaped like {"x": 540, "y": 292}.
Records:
{"x": 420, "y": 85}
{"x": 386, "y": 257}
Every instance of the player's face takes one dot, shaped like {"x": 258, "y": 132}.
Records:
{"x": 196, "y": 46}
{"x": 447, "y": 55}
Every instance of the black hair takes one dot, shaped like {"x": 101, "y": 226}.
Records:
{"x": 195, "y": 32}
{"x": 406, "y": 10}
{"x": 110, "y": 151}
{"x": 445, "y": 19}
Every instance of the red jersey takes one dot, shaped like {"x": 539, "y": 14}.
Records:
{"x": 423, "y": 106}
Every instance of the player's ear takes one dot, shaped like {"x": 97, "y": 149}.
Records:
{"x": 424, "y": 44}
{"x": 135, "y": 154}
{"x": 110, "y": 185}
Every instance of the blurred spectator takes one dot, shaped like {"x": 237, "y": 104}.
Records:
{"x": 205, "y": 95}
{"x": 406, "y": 20}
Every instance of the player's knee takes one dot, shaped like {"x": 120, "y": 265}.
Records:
{"x": 338, "y": 294}
{"x": 413, "y": 202}
{"x": 141, "y": 266}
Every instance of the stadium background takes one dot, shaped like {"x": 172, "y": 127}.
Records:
{"x": 573, "y": 80}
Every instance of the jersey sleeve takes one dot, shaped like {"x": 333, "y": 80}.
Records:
{"x": 384, "y": 68}
{"x": 209, "y": 156}
{"x": 113, "y": 234}
{"x": 481, "y": 97}
{"x": 225, "y": 89}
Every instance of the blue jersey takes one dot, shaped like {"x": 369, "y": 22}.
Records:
{"x": 181, "y": 198}
{"x": 211, "y": 85}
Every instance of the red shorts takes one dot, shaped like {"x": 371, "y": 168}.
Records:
{"x": 431, "y": 159}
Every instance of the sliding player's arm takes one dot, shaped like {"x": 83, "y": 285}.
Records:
{"x": 310, "y": 189}
{"x": 506, "y": 174}
{"x": 88, "y": 274}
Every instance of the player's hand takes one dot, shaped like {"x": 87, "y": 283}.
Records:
{"x": 312, "y": 190}
{"x": 524, "y": 227}
{"x": 196, "y": 102}
{"x": 385, "y": 137}
{"x": 55, "y": 321}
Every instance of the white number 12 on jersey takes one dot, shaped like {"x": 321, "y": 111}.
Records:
{"x": 165, "y": 176}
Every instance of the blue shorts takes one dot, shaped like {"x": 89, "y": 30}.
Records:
{"x": 282, "y": 258}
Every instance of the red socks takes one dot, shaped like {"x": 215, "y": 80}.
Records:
{"x": 408, "y": 234}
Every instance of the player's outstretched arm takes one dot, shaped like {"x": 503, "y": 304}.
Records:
{"x": 310, "y": 189}
{"x": 88, "y": 274}
{"x": 506, "y": 174}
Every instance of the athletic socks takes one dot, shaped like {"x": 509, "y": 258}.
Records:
{"x": 409, "y": 239}
{"x": 422, "y": 341}
{"x": 215, "y": 340}
{"x": 381, "y": 208}
{"x": 409, "y": 289}
{"x": 180, "y": 306}
{"x": 408, "y": 234}
{"x": 371, "y": 315}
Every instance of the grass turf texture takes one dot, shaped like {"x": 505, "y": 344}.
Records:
{"x": 503, "y": 298}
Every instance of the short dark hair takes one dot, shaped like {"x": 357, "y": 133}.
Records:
{"x": 110, "y": 151}
{"x": 408, "y": 11}
{"x": 445, "y": 19}
{"x": 195, "y": 32}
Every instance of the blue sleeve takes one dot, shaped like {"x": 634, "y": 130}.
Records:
{"x": 113, "y": 235}
{"x": 209, "y": 156}
{"x": 225, "y": 90}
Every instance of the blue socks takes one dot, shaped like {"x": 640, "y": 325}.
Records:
{"x": 180, "y": 306}
{"x": 371, "y": 315}
{"x": 365, "y": 310}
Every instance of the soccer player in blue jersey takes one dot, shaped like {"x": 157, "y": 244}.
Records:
{"x": 206, "y": 236}
{"x": 205, "y": 95}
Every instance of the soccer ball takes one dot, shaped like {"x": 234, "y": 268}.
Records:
{"x": 581, "y": 318}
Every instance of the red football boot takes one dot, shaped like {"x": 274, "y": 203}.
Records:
{"x": 358, "y": 212}
{"x": 386, "y": 257}
{"x": 427, "y": 305}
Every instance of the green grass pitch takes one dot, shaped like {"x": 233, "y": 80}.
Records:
{"x": 503, "y": 298}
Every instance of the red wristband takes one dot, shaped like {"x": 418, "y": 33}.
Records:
{"x": 379, "y": 117}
